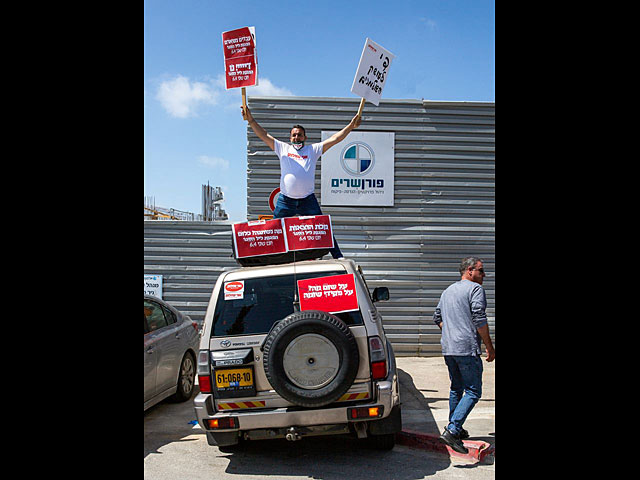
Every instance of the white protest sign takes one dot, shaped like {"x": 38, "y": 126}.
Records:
{"x": 372, "y": 72}
{"x": 153, "y": 285}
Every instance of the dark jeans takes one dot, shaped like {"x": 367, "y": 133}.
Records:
{"x": 289, "y": 207}
{"x": 466, "y": 388}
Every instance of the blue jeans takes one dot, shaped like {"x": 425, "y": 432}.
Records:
{"x": 289, "y": 207}
{"x": 465, "y": 374}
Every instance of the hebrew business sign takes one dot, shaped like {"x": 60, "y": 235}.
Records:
{"x": 359, "y": 170}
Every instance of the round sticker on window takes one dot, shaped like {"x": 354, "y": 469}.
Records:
{"x": 234, "y": 290}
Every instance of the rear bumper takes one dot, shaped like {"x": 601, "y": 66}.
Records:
{"x": 386, "y": 394}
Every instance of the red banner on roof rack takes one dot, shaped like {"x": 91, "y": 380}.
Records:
{"x": 304, "y": 233}
{"x": 260, "y": 237}
{"x": 281, "y": 235}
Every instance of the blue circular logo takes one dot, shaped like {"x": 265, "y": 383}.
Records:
{"x": 357, "y": 158}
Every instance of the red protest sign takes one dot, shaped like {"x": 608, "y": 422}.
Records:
{"x": 260, "y": 237}
{"x": 238, "y": 43}
{"x": 240, "y": 57}
{"x": 241, "y": 72}
{"x": 332, "y": 294}
{"x": 304, "y": 233}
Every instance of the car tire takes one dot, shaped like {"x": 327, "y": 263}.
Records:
{"x": 186, "y": 379}
{"x": 311, "y": 358}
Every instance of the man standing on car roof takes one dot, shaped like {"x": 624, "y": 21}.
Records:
{"x": 461, "y": 316}
{"x": 298, "y": 168}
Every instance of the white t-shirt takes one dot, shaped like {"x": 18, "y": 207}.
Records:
{"x": 297, "y": 168}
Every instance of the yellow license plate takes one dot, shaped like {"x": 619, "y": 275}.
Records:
{"x": 234, "y": 378}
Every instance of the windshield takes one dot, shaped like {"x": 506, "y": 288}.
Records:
{"x": 264, "y": 301}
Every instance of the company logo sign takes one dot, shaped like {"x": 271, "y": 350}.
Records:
{"x": 362, "y": 172}
{"x": 357, "y": 158}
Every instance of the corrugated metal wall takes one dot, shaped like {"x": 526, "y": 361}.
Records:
{"x": 444, "y": 206}
{"x": 189, "y": 256}
{"x": 443, "y": 210}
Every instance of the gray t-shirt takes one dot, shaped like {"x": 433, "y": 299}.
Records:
{"x": 461, "y": 310}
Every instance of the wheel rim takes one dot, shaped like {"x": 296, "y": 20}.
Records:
{"x": 187, "y": 375}
{"x": 311, "y": 361}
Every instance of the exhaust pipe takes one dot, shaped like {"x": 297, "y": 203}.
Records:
{"x": 292, "y": 434}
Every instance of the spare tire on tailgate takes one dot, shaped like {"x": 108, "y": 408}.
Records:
{"x": 311, "y": 358}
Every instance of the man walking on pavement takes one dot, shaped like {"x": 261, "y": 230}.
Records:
{"x": 298, "y": 169}
{"x": 461, "y": 316}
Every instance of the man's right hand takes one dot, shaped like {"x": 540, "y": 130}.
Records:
{"x": 259, "y": 131}
{"x": 246, "y": 113}
{"x": 491, "y": 354}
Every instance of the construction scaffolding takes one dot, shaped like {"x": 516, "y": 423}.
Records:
{"x": 211, "y": 209}
{"x": 155, "y": 212}
{"x": 211, "y": 199}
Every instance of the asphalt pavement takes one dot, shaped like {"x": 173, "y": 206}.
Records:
{"x": 424, "y": 393}
{"x": 175, "y": 447}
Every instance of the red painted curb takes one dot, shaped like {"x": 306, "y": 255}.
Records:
{"x": 479, "y": 451}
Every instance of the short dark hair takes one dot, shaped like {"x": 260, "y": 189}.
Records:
{"x": 467, "y": 263}
{"x": 301, "y": 128}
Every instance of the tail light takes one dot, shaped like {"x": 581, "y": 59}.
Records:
{"x": 357, "y": 413}
{"x": 378, "y": 358}
{"x": 204, "y": 371}
{"x": 223, "y": 423}
{"x": 204, "y": 383}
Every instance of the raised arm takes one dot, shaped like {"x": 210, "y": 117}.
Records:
{"x": 341, "y": 135}
{"x": 259, "y": 131}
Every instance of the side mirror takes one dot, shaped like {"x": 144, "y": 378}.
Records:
{"x": 380, "y": 294}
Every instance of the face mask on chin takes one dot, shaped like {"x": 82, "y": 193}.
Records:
{"x": 298, "y": 146}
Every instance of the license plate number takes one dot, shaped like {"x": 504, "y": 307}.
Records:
{"x": 234, "y": 378}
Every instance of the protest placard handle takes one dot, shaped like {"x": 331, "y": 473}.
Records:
{"x": 361, "y": 107}
{"x": 244, "y": 103}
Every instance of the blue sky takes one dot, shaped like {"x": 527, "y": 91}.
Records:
{"x": 193, "y": 129}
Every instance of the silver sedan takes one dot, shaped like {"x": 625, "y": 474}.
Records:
{"x": 171, "y": 341}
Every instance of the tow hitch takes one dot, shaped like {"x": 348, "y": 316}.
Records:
{"x": 292, "y": 434}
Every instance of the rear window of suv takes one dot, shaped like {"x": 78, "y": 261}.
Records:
{"x": 265, "y": 301}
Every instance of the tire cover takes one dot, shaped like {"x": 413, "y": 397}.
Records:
{"x": 311, "y": 358}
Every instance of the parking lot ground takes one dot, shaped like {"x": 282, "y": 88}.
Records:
{"x": 176, "y": 448}
{"x": 424, "y": 390}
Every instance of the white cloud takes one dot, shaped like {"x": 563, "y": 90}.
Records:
{"x": 215, "y": 162}
{"x": 267, "y": 89}
{"x": 181, "y": 98}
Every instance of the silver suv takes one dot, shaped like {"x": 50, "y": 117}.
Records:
{"x": 268, "y": 370}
